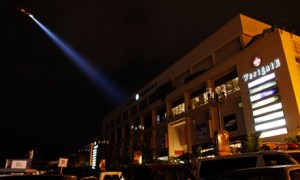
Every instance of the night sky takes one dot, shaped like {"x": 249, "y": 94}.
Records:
{"x": 49, "y": 105}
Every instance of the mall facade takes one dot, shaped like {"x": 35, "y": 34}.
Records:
{"x": 244, "y": 78}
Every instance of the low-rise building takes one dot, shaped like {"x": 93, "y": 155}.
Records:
{"x": 243, "y": 78}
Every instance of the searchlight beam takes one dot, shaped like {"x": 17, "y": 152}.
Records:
{"x": 99, "y": 79}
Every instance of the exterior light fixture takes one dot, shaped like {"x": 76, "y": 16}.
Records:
{"x": 137, "y": 97}
{"x": 216, "y": 98}
{"x": 138, "y": 130}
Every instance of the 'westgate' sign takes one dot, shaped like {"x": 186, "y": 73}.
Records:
{"x": 262, "y": 70}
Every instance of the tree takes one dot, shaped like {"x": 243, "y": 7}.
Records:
{"x": 253, "y": 141}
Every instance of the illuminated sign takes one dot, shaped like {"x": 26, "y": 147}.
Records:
{"x": 265, "y": 101}
{"x": 94, "y": 158}
{"x": 261, "y": 70}
{"x": 63, "y": 162}
{"x": 273, "y": 132}
{"x": 256, "y": 61}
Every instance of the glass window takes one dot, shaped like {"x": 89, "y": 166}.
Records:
{"x": 178, "y": 109}
{"x": 278, "y": 159}
{"x": 199, "y": 100}
{"x": 180, "y": 80}
{"x": 211, "y": 167}
{"x": 229, "y": 81}
{"x": 178, "y": 106}
{"x": 161, "y": 115}
{"x": 230, "y": 86}
{"x": 148, "y": 120}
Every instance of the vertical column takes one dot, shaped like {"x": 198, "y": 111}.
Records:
{"x": 187, "y": 100}
{"x": 154, "y": 134}
{"x": 169, "y": 110}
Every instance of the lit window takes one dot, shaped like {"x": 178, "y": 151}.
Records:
{"x": 199, "y": 100}
{"x": 178, "y": 109}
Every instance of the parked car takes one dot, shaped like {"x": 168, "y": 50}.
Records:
{"x": 88, "y": 178}
{"x": 110, "y": 175}
{"x": 279, "y": 172}
{"x": 15, "y": 173}
{"x": 33, "y": 177}
{"x": 210, "y": 166}
{"x": 158, "y": 172}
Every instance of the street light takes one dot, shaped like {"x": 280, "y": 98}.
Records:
{"x": 217, "y": 98}
{"x": 137, "y": 155}
{"x": 102, "y": 163}
{"x": 104, "y": 144}
{"x": 137, "y": 129}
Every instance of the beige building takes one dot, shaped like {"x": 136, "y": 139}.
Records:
{"x": 250, "y": 68}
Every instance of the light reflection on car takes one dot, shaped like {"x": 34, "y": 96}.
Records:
{"x": 280, "y": 172}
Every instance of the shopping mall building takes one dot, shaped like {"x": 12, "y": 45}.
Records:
{"x": 244, "y": 78}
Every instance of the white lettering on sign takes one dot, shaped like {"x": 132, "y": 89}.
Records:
{"x": 262, "y": 70}
{"x": 63, "y": 162}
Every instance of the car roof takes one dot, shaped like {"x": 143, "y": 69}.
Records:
{"x": 274, "y": 168}
{"x": 167, "y": 165}
{"x": 248, "y": 154}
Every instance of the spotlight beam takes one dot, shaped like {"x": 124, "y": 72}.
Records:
{"x": 99, "y": 79}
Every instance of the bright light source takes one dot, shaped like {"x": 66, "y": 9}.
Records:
{"x": 137, "y": 96}
{"x": 99, "y": 80}
{"x": 269, "y": 117}
{"x": 261, "y": 80}
{"x": 262, "y": 87}
{"x": 270, "y": 125}
{"x": 273, "y": 133}
{"x": 263, "y": 94}
{"x": 264, "y": 102}
{"x": 267, "y": 109}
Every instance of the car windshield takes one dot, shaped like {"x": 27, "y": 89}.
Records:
{"x": 275, "y": 159}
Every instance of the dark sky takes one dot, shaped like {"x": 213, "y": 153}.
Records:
{"x": 47, "y": 104}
